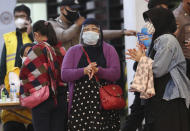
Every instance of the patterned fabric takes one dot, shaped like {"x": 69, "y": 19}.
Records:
{"x": 60, "y": 52}
{"x": 143, "y": 81}
{"x": 36, "y": 71}
{"x": 86, "y": 112}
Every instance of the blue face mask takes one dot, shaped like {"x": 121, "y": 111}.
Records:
{"x": 35, "y": 42}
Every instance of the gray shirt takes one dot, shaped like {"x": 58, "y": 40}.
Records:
{"x": 169, "y": 58}
{"x": 69, "y": 34}
{"x": 66, "y": 33}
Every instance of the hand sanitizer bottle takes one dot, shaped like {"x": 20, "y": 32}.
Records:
{"x": 12, "y": 92}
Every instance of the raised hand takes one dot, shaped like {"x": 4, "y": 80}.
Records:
{"x": 134, "y": 54}
{"x": 129, "y": 32}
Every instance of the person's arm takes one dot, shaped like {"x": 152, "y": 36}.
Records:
{"x": 112, "y": 71}
{"x": 3, "y": 66}
{"x": 68, "y": 72}
{"x": 113, "y": 34}
{"x": 65, "y": 35}
{"x": 163, "y": 57}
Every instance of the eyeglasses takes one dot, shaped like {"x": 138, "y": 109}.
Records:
{"x": 91, "y": 29}
{"x": 20, "y": 16}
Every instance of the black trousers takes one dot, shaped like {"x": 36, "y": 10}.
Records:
{"x": 16, "y": 126}
{"x": 48, "y": 117}
{"x": 134, "y": 120}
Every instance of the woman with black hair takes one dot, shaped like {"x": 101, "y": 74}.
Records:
{"x": 40, "y": 69}
{"x": 85, "y": 112}
{"x": 168, "y": 109}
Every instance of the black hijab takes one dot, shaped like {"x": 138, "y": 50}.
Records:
{"x": 163, "y": 20}
{"x": 154, "y": 3}
{"x": 95, "y": 52}
{"x": 93, "y": 22}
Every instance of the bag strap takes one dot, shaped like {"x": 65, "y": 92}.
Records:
{"x": 97, "y": 80}
{"x": 50, "y": 61}
{"x": 89, "y": 61}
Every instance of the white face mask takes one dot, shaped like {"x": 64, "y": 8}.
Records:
{"x": 23, "y": 59}
{"x": 20, "y": 23}
{"x": 150, "y": 28}
{"x": 90, "y": 37}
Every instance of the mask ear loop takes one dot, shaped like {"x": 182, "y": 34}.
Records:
{"x": 21, "y": 57}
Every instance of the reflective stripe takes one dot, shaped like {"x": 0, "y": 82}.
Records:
{"x": 11, "y": 59}
{"x": 11, "y": 55}
{"x": 11, "y": 47}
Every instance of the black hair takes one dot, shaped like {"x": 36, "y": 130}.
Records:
{"x": 24, "y": 47}
{"x": 46, "y": 29}
{"x": 154, "y": 3}
{"x": 163, "y": 20}
{"x": 93, "y": 22}
{"x": 171, "y": 4}
{"x": 23, "y": 8}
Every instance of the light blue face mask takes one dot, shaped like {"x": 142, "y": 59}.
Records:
{"x": 35, "y": 42}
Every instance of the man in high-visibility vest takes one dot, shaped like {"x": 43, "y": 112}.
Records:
{"x": 10, "y": 59}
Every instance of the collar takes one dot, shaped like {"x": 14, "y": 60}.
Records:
{"x": 61, "y": 22}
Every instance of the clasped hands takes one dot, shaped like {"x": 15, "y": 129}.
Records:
{"x": 91, "y": 70}
{"x": 136, "y": 54}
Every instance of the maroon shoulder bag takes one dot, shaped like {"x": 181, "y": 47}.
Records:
{"x": 111, "y": 96}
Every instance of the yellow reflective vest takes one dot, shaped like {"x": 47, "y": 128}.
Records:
{"x": 11, "y": 49}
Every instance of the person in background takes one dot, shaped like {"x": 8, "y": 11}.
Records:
{"x": 84, "y": 108}
{"x": 23, "y": 54}
{"x": 36, "y": 72}
{"x": 168, "y": 109}
{"x": 10, "y": 58}
{"x": 182, "y": 15}
{"x": 12, "y": 76}
{"x": 68, "y": 25}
